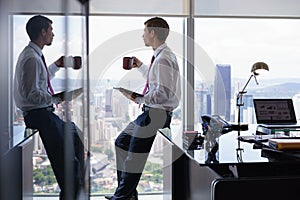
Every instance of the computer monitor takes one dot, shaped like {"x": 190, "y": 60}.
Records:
{"x": 274, "y": 111}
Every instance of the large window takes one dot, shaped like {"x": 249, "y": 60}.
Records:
{"x": 69, "y": 34}
{"x": 232, "y": 46}
{"x": 111, "y": 39}
{"x": 224, "y": 51}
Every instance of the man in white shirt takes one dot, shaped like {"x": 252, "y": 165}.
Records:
{"x": 162, "y": 94}
{"x": 33, "y": 95}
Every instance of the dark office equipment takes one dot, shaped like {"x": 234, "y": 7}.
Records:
{"x": 275, "y": 115}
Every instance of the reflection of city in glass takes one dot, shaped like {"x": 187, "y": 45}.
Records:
{"x": 110, "y": 111}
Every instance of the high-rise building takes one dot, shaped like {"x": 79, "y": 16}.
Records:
{"x": 247, "y": 110}
{"x": 202, "y": 104}
{"x": 108, "y": 103}
{"x": 222, "y": 91}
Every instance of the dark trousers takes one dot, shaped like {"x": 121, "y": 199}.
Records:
{"x": 132, "y": 149}
{"x": 53, "y": 132}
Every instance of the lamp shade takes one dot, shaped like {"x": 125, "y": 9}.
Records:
{"x": 257, "y": 66}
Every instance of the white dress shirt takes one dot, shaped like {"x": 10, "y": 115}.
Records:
{"x": 30, "y": 82}
{"x": 164, "y": 80}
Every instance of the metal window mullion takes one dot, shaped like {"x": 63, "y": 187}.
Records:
{"x": 189, "y": 86}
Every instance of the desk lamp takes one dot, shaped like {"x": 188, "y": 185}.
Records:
{"x": 239, "y": 100}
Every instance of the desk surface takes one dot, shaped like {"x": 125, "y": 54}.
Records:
{"x": 21, "y": 134}
{"x": 230, "y": 151}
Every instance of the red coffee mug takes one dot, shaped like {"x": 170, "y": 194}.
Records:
{"x": 127, "y": 63}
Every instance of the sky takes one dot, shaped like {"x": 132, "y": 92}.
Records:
{"x": 238, "y": 42}
{"x": 243, "y": 42}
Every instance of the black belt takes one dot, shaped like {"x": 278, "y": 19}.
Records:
{"x": 147, "y": 108}
{"x": 49, "y": 108}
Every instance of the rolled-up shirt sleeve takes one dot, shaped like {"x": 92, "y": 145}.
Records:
{"x": 144, "y": 70}
{"x": 52, "y": 69}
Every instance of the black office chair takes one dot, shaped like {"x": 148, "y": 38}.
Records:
{"x": 262, "y": 188}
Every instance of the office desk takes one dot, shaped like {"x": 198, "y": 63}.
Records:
{"x": 238, "y": 170}
{"x": 18, "y": 166}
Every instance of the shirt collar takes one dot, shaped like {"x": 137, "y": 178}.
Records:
{"x": 36, "y": 48}
{"x": 159, "y": 49}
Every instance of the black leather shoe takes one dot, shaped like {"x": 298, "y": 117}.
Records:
{"x": 133, "y": 198}
{"x": 108, "y": 196}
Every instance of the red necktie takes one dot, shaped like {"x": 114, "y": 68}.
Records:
{"x": 147, "y": 82}
{"x": 48, "y": 78}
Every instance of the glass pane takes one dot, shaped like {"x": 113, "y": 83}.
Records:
{"x": 69, "y": 40}
{"x": 234, "y": 45}
{"x": 137, "y": 7}
{"x": 111, "y": 111}
{"x": 38, "y": 6}
{"x": 247, "y": 8}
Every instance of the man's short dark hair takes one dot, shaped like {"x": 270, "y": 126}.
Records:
{"x": 160, "y": 27}
{"x": 36, "y": 24}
